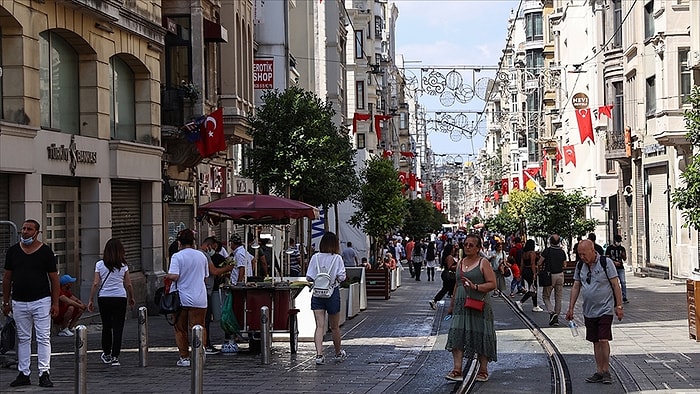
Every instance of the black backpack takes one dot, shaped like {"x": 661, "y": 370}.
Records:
{"x": 603, "y": 263}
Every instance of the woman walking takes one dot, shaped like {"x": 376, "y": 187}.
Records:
{"x": 472, "y": 331}
{"x": 449, "y": 264}
{"x": 113, "y": 287}
{"x": 431, "y": 260}
{"x": 528, "y": 274}
{"x": 329, "y": 261}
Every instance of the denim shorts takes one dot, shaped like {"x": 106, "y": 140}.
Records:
{"x": 331, "y": 305}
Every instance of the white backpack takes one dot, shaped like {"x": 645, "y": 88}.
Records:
{"x": 323, "y": 283}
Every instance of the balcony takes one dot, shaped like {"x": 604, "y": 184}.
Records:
{"x": 176, "y": 109}
{"x": 615, "y": 145}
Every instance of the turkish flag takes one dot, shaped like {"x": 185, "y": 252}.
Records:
{"x": 402, "y": 177}
{"x": 377, "y": 124}
{"x": 212, "y": 139}
{"x": 412, "y": 181}
{"x": 357, "y": 117}
{"x": 606, "y": 110}
{"x": 504, "y": 186}
{"x": 585, "y": 125}
{"x": 407, "y": 154}
{"x": 387, "y": 154}
{"x": 428, "y": 195}
{"x": 569, "y": 155}
{"x": 516, "y": 183}
{"x": 543, "y": 166}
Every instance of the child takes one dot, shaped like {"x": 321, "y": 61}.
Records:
{"x": 517, "y": 278}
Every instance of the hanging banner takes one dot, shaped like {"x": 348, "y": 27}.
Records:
{"x": 263, "y": 73}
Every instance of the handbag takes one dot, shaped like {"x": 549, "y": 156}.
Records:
{"x": 7, "y": 335}
{"x": 447, "y": 275}
{"x": 473, "y": 303}
{"x": 170, "y": 302}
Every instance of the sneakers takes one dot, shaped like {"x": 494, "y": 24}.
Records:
{"x": 625, "y": 301}
{"x": 229, "y": 347}
{"x": 340, "y": 356}
{"x": 45, "y": 380}
{"x": 595, "y": 378}
{"x": 21, "y": 380}
{"x": 320, "y": 359}
{"x": 553, "y": 319}
{"x": 519, "y": 305}
{"x": 183, "y": 362}
{"x": 607, "y": 379}
{"x": 106, "y": 358}
{"x": 66, "y": 332}
{"x": 432, "y": 304}
{"x": 537, "y": 309}
{"x": 115, "y": 362}
{"x": 211, "y": 350}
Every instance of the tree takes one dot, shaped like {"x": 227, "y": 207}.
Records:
{"x": 298, "y": 151}
{"x": 517, "y": 207}
{"x": 503, "y": 222}
{"x": 380, "y": 204}
{"x": 687, "y": 196}
{"x": 419, "y": 218}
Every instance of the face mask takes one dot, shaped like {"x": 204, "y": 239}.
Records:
{"x": 617, "y": 244}
{"x": 27, "y": 241}
{"x": 211, "y": 252}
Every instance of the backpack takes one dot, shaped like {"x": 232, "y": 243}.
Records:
{"x": 603, "y": 263}
{"x": 323, "y": 283}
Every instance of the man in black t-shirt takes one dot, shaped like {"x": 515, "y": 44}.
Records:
{"x": 31, "y": 278}
{"x": 552, "y": 260}
{"x": 617, "y": 253}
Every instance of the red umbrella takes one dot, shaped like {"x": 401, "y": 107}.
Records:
{"x": 257, "y": 209}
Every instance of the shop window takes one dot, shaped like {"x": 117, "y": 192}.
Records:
{"x": 58, "y": 84}
{"x": 122, "y": 108}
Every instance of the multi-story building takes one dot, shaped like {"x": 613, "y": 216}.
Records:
{"x": 80, "y": 137}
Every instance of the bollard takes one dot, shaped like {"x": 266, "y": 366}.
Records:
{"x": 81, "y": 359}
{"x": 143, "y": 336}
{"x": 197, "y": 360}
{"x": 265, "y": 336}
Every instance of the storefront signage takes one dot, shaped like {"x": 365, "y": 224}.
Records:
{"x": 183, "y": 191}
{"x": 580, "y": 101}
{"x": 71, "y": 154}
{"x": 263, "y": 73}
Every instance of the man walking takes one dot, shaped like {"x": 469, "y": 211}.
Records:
{"x": 617, "y": 253}
{"x": 31, "y": 278}
{"x": 552, "y": 260}
{"x": 350, "y": 256}
{"x": 596, "y": 280}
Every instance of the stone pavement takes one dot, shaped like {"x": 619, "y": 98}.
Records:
{"x": 397, "y": 345}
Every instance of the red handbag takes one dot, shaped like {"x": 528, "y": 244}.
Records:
{"x": 473, "y": 303}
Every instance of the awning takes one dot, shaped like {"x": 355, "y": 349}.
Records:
{"x": 606, "y": 185}
{"x": 214, "y": 32}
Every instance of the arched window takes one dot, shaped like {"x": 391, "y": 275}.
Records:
{"x": 59, "y": 85}
{"x": 122, "y": 108}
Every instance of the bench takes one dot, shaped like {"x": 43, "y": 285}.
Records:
{"x": 378, "y": 283}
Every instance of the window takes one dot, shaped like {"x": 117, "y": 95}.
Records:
{"x": 534, "y": 61}
{"x": 122, "y": 108}
{"x": 684, "y": 75}
{"x": 360, "y": 140}
{"x": 403, "y": 120}
{"x": 178, "y": 53}
{"x": 378, "y": 26}
{"x": 58, "y": 84}
{"x": 617, "y": 23}
{"x": 514, "y": 103}
{"x": 515, "y": 160}
{"x": 609, "y": 166}
{"x": 651, "y": 96}
{"x": 618, "y": 116}
{"x": 533, "y": 26}
{"x": 359, "y": 44}
{"x": 649, "y": 29}
{"x": 360, "y": 94}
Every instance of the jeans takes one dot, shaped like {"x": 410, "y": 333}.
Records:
{"x": 187, "y": 318}
{"x": 112, "y": 313}
{"x": 37, "y": 315}
{"x": 558, "y": 287}
{"x": 623, "y": 282}
{"x": 417, "y": 267}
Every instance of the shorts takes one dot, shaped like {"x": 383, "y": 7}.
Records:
{"x": 62, "y": 309}
{"x": 598, "y": 328}
{"x": 331, "y": 305}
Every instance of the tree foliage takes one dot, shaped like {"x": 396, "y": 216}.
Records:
{"x": 421, "y": 219}
{"x": 503, "y": 223}
{"x": 518, "y": 202}
{"x": 298, "y": 151}
{"x": 380, "y": 204}
{"x": 687, "y": 196}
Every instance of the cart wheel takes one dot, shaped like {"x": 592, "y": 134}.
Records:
{"x": 293, "y": 331}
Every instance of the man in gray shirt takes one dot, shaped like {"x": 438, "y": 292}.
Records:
{"x": 350, "y": 256}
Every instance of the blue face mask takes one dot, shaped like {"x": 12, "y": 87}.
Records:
{"x": 211, "y": 252}
{"x": 27, "y": 241}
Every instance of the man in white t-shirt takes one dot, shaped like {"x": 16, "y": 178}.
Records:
{"x": 189, "y": 268}
{"x": 243, "y": 261}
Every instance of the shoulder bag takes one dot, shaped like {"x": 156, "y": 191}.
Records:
{"x": 170, "y": 302}
{"x": 473, "y": 303}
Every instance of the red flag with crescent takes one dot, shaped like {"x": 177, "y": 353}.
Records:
{"x": 212, "y": 139}
{"x": 378, "y": 126}
{"x": 504, "y": 186}
{"x": 357, "y": 117}
{"x": 387, "y": 154}
{"x": 412, "y": 181}
{"x": 569, "y": 155}
{"x": 585, "y": 125}
{"x": 402, "y": 177}
{"x": 606, "y": 110}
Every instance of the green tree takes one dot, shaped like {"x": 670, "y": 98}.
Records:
{"x": 517, "y": 207}
{"x": 687, "y": 196}
{"x": 380, "y": 204}
{"x": 298, "y": 151}
{"x": 503, "y": 222}
{"x": 419, "y": 218}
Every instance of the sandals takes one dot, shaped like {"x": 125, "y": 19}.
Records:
{"x": 454, "y": 376}
{"x": 482, "y": 377}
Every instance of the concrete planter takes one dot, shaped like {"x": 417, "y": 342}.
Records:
{"x": 343, "y": 305}
{"x": 353, "y": 300}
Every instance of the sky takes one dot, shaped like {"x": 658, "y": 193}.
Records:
{"x": 452, "y": 33}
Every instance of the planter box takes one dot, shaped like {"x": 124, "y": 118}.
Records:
{"x": 343, "y": 305}
{"x": 353, "y": 300}
{"x": 359, "y": 272}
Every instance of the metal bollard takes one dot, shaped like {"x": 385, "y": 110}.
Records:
{"x": 265, "y": 336}
{"x": 143, "y": 336}
{"x": 197, "y": 360}
{"x": 81, "y": 359}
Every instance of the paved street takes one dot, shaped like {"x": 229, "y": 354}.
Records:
{"x": 397, "y": 345}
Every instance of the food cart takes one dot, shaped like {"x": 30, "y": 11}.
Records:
{"x": 250, "y": 297}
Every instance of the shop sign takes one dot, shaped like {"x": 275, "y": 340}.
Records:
{"x": 242, "y": 185}
{"x": 580, "y": 101}
{"x": 182, "y": 191}
{"x": 71, "y": 154}
{"x": 263, "y": 73}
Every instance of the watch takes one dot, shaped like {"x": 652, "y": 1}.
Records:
{"x": 619, "y": 307}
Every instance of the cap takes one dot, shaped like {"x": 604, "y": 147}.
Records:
{"x": 65, "y": 279}
{"x": 236, "y": 239}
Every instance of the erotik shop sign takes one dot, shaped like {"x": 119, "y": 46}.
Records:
{"x": 263, "y": 73}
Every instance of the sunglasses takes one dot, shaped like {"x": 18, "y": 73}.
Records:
{"x": 588, "y": 277}
{"x": 469, "y": 245}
